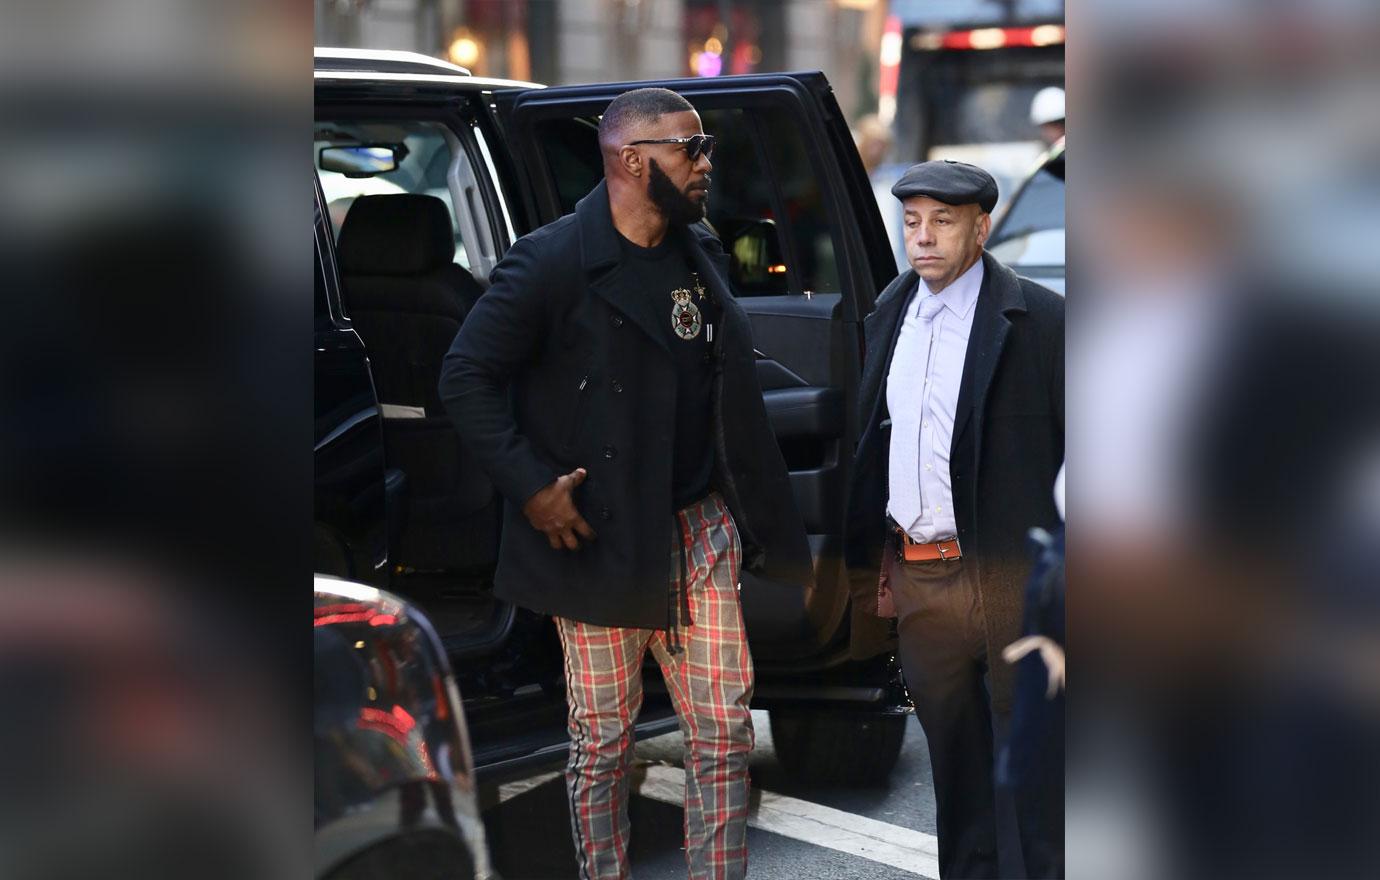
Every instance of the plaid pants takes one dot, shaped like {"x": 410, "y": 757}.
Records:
{"x": 710, "y": 685}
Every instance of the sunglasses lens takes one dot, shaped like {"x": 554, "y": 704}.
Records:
{"x": 700, "y": 144}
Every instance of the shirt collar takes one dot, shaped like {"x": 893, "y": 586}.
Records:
{"x": 959, "y": 296}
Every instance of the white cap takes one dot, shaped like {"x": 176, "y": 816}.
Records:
{"x": 1048, "y": 106}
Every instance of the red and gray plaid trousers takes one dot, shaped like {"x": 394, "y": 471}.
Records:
{"x": 710, "y": 684}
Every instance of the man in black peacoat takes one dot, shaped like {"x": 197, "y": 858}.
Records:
{"x": 1006, "y": 448}
{"x": 607, "y": 383}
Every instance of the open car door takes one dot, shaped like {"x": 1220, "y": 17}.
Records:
{"x": 808, "y": 255}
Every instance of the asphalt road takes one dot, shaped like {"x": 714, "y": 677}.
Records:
{"x": 795, "y": 832}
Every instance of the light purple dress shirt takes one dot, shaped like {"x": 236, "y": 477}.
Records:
{"x": 922, "y": 398}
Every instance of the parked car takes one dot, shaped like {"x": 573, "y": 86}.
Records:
{"x": 400, "y": 504}
{"x": 1029, "y": 234}
{"x": 394, "y": 781}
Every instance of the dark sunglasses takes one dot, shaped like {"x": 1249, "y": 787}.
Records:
{"x": 696, "y": 145}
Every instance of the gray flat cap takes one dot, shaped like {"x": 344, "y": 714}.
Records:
{"x": 950, "y": 182}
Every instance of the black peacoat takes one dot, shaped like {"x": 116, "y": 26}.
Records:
{"x": 1006, "y": 451}
{"x": 557, "y": 368}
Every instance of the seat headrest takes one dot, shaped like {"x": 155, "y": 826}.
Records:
{"x": 402, "y": 234}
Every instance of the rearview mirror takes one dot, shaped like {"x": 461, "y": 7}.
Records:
{"x": 361, "y": 161}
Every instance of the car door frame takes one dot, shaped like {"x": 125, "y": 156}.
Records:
{"x": 351, "y": 485}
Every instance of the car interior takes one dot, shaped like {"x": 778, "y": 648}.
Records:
{"x": 407, "y": 286}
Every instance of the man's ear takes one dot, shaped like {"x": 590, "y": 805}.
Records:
{"x": 984, "y": 228}
{"x": 631, "y": 160}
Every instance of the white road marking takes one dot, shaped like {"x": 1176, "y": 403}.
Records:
{"x": 904, "y": 848}
{"x": 509, "y": 790}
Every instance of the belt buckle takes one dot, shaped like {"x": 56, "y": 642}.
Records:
{"x": 939, "y": 545}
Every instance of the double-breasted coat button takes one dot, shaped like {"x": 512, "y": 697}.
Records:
{"x": 616, "y": 321}
{"x": 610, "y": 452}
{"x": 605, "y": 513}
{"x": 617, "y": 387}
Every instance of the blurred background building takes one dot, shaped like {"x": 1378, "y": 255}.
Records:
{"x": 931, "y": 78}
{"x": 561, "y": 42}
{"x": 965, "y": 75}
{"x": 862, "y": 45}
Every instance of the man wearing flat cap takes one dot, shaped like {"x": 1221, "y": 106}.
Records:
{"x": 962, "y": 397}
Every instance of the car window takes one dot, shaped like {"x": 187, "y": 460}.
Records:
{"x": 1032, "y": 232}
{"x": 742, "y": 209}
{"x": 572, "y": 152}
{"x": 803, "y": 202}
{"x": 427, "y": 154}
{"x": 765, "y": 204}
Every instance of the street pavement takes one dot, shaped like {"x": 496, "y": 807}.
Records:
{"x": 795, "y": 831}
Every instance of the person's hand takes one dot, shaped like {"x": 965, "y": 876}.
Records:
{"x": 552, "y": 512}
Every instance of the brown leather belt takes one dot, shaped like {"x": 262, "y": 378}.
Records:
{"x": 910, "y": 550}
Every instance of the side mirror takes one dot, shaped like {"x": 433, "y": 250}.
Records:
{"x": 361, "y": 161}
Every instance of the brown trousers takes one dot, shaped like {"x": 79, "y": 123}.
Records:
{"x": 943, "y": 650}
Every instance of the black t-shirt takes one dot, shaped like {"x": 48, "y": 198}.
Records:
{"x": 689, "y": 315}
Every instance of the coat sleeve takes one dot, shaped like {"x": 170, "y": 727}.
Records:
{"x": 500, "y": 336}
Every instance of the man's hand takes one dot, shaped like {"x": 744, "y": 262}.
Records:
{"x": 552, "y": 512}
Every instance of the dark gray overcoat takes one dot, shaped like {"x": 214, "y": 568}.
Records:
{"x": 556, "y": 367}
{"x": 1006, "y": 451}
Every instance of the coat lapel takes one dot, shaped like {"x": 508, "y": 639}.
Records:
{"x": 602, "y": 256}
{"x": 999, "y": 297}
{"x": 642, "y": 307}
{"x": 711, "y": 263}
{"x": 880, "y": 329}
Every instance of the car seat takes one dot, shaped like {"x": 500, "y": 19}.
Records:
{"x": 407, "y": 299}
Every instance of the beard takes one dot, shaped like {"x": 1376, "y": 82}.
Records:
{"x": 677, "y": 207}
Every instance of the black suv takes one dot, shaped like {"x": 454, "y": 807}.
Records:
{"x": 457, "y": 168}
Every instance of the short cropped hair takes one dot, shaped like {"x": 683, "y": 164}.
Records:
{"x": 636, "y": 107}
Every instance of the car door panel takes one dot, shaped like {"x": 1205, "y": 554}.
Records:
{"x": 798, "y": 333}
{"x": 811, "y": 419}
{"x": 772, "y": 374}
{"x": 811, "y": 411}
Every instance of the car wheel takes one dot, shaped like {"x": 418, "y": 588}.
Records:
{"x": 841, "y": 747}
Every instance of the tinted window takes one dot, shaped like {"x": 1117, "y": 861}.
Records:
{"x": 741, "y": 207}
{"x": 572, "y": 151}
{"x": 802, "y": 202}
